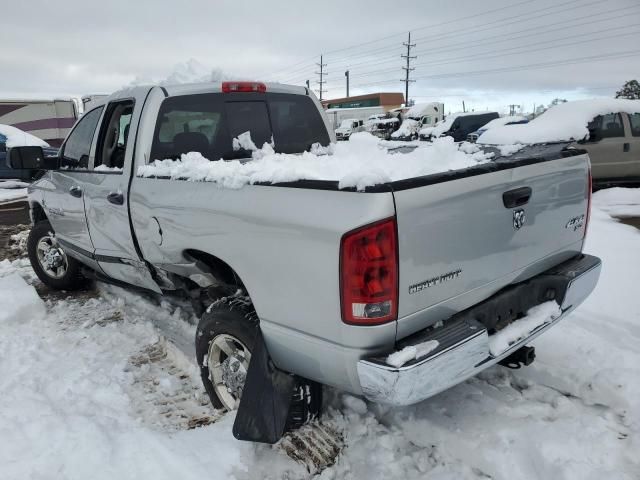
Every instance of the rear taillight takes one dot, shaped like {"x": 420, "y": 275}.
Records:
{"x": 589, "y": 193}
{"x": 230, "y": 87}
{"x": 369, "y": 274}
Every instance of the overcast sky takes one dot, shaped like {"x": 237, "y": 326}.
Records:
{"x": 488, "y": 53}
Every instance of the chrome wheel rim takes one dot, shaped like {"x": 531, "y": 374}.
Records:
{"x": 228, "y": 361}
{"x": 51, "y": 258}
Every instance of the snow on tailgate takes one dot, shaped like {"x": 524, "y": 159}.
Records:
{"x": 360, "y": 162}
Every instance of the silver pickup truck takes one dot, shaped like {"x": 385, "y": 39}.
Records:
{"x": 301, "y": 284}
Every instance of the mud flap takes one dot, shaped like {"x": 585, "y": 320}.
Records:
{"x": 266, "y": 398}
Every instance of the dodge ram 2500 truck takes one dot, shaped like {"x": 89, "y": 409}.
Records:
{"x": 302, "y": 284}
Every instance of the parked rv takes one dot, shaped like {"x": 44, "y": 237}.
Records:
{"x": 49, "y": 120}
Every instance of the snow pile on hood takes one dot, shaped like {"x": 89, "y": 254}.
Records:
{"x": 408, "y": 127}
{"x": 562, "y": 122}
{"x": 499, "y": 122}
{"x": 359, "y": 163}
{"x": 18, "y": 138}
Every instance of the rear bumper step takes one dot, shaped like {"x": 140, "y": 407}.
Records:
{"x": 463, "y": 342}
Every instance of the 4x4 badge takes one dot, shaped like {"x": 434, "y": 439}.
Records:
{"x": 519, "y": 218}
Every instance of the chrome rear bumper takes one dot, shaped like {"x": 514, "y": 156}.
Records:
{"x": 463, "y": 343}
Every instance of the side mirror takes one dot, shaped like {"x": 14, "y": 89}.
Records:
{"x": 30, "y": 158}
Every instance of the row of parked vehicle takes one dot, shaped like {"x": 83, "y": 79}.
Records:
{"x": 424, "y": 122}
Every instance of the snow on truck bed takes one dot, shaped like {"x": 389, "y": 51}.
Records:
{"x": 359, "y": 163}
{"x": 562, "y": 122}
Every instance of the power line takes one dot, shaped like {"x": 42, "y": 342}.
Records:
{"x": 433, "y": 25}
{"x": 568, "y": 61}
{"x": 408, "y": 69}
{"x": 501, "y": 37}
{"x": 516, "y": 50}
{"x": 551, "y": 10}
{"x": 322, "y": 73}
{"x": 496, "y": 24}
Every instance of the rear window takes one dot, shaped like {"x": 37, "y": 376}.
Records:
{"x": 208, "y": 123}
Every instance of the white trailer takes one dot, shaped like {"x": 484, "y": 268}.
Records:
{"x": 337, "y": 115}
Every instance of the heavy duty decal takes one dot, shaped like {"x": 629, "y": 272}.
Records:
{"x": 445, "y": 277}
{"x": 575, "y": 223}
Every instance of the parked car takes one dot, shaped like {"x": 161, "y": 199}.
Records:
{"x": 508, "y": 120}
{"x": 458, "y": 125}
{"x": 301, "y": 283}
{"x": 382, "y": 126}
{"x": 608, "y": 129}
{"x": 347, "y": 127}
{"x": 11, "y": 137}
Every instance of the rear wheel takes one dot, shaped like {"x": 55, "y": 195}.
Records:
{"x": 49, "y": 260}
{"x": 224, "y": 341}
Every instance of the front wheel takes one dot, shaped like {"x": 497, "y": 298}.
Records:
{"x": 49, "y": 260}
{"x": 224, "y": 341}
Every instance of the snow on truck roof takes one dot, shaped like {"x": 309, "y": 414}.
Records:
{"x": 562, "y": 122}
{"x": 18, "y": 138}
{"x": 419, "y": 109}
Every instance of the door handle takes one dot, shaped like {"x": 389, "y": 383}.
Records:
{"x": 116, "y": 198}
{"x": 626, "y": 147}
{"x": 75, "y": 191}
{"x": 517, "y": 197}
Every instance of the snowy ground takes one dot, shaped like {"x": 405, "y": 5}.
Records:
{"x": 90, "y": 388}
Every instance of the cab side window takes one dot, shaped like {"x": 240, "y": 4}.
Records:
{"x": 606, "y": 126}
{"x": 114, "y": 137}
{"x": 634, "y": 120}
{"x": 75, "y": 152}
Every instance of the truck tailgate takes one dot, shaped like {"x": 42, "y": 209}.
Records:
{"x": 461, "y": 239}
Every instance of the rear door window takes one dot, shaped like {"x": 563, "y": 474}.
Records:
{"x": 634, "y": 121}
{"x": 208, "y": 123}
{"x": 606, "y": 126}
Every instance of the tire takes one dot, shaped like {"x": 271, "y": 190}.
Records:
{"x": 67, "y": 275}
{"x": 235, "y": 318}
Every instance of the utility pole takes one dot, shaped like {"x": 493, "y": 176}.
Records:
{"x": 463, "y": 107}
{"x": 346, "y": 74}
{"x": 408, "y": 68}
{"x": 322, "y": 74}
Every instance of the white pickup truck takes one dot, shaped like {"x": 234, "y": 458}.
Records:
{"x": 395, "y": 292}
